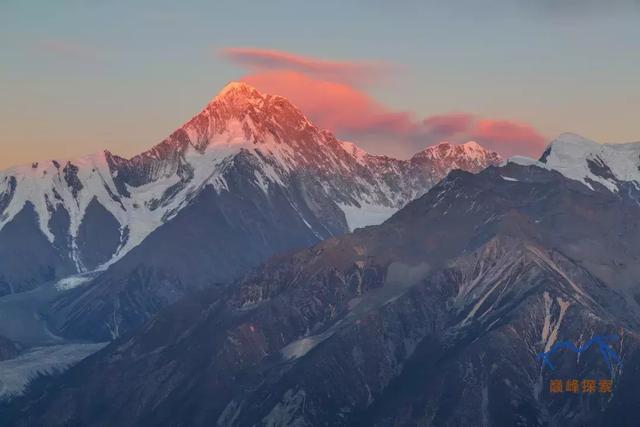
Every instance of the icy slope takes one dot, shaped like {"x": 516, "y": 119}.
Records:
{"x": 592, "y": 163}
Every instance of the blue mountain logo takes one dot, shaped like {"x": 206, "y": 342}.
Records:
{"x": 607, "y": 352}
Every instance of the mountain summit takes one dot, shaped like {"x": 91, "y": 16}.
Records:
{"x": 237, "y": 89}
{"x": 467, "y": 156}
{"x": 615, "y": 167}
{"x": 132, "y": 197}
{"x": 247, "y": 177}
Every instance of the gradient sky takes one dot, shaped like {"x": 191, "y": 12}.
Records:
{"x": 80, "y": 76}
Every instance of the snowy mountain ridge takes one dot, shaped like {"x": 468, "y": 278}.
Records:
{"x": 265, "y": 134}
{"x": 612, "y": 166}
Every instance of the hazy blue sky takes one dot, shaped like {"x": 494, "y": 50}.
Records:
{"x": 79, "y": 76}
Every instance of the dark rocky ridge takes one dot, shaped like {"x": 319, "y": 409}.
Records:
{"x": 433, "y": 318}
{"x": 5, "y": 198}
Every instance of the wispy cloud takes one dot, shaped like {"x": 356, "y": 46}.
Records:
{"x": 329, "y": 93}
{"x": 505, "y": 136}
{"x": 352, "y": 72}
{"x": 446, "y": 125}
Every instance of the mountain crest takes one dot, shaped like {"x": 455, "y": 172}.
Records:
{"x": 242, "y": 141}
{"x": 239, "y": 94}
{"x": 237, "y": 87}
{"x": 570, "y": 138}
{"x": 469, "y": 151}
{"x": 615, "y": 167}
{"x": 239, "y": 113}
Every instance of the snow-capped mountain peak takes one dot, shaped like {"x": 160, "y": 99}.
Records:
{"x": 594, "y": 164}
{"x": 241, "y": 114}
{"x": 570, "y": 138}
{"x": 236, "y": 89}
{"x": 447, "y": 149}
{"x": 262, "y": 138}
{"x": 48, "y": 183}
{"x": 468, "y": 156}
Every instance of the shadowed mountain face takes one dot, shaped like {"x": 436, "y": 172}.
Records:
{"x": 217, "y": 238}
{"x": 435, "y": 317}
{"x": 27, "y": 258}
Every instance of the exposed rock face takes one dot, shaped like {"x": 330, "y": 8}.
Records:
{"x": 435, "y": 317}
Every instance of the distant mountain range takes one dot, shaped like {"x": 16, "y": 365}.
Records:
{"x": 246, "y": 178}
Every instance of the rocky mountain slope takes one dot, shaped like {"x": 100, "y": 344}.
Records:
{"x": 247, "y": 177}
{"x": 436, "y": 317}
